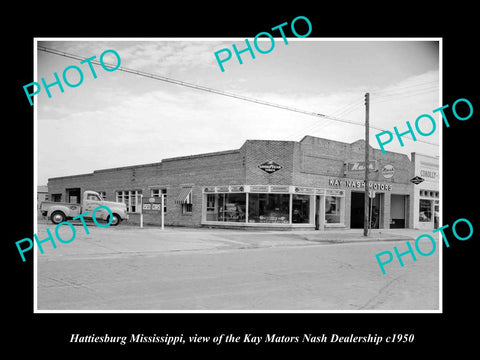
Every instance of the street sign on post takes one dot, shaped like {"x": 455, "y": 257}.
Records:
{"x": 141, "y": 211}
{"x": 371, "y": 194}
{"x": 163, "y": 210}
{"x": 155, "y": 206}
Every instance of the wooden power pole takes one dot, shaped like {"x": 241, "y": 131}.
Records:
{"x": 367, "y": 185}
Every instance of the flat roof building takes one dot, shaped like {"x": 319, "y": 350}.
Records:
{"x": 427, "y": 192}
{"x": 315, "y": 183}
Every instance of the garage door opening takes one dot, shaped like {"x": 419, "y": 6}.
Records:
{"x": 397, "y": 211}
{"x": 73, "y": 195}
{"x": 357, "y": 210}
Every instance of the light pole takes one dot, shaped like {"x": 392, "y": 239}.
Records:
{"x": 367, "y": 185}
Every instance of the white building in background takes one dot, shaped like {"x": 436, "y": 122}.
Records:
{"x": 42, "y": 194}
{"x": 426, "y": 194}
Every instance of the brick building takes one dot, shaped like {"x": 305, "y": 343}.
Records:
{"x": 313, "y": 183}
{"x": 426, "y": 192}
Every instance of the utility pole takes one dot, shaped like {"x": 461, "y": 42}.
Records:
{"x": 367, "y": 184}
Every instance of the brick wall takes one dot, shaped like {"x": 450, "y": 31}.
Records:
{"x": 258, "y": 152}
{"x": 318, "y": 156}
{"x": 171, "y": 174}
{"x": 310, "y": 162}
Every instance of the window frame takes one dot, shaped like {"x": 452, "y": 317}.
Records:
{"x": 122, "y": 195}
{"x": 155, "y": 192}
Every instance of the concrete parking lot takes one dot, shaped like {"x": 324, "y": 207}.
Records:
{"x": 128, "y": 268}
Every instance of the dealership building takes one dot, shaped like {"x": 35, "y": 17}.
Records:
{"x": 315, "y": 183}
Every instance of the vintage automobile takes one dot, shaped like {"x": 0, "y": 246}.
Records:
{"x": 59, "y": 212}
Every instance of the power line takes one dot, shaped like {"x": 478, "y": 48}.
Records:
{"x": 409, "y": 93}
{"x": 187, "y": 84}
{"x": 403, "y": 88}
{"x": 210, "y": 90}
{"x": 348, "y": 109}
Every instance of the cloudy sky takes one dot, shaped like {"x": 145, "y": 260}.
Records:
{"x": 121, "y": 119}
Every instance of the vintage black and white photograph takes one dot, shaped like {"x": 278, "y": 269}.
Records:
{"x": 269, "y": 174}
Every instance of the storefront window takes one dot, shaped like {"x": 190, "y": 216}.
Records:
{"x": 300, "y": 209}
{"x": 157, "y": 193}
{"x": 130, "y": 198}
{"x": 226, "y": 207}
{"x": 269, "y": 208}
{"x": 425, "y": 214}
{"x": 332, "y": 209}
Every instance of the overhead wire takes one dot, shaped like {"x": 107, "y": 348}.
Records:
{"x": 339, "y": 112}
{"x": 402, "y": 88}
{"x": 212, "y": 90}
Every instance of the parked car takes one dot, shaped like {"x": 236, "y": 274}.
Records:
{"x": 58, "y": 212}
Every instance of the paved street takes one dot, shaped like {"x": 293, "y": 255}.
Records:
{"x": 127, "y": 268}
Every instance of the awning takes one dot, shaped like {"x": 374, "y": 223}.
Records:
{"x": 185, "y": 196}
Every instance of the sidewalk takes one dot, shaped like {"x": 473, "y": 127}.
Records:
{"x": 356, "y": 235}
{"x": 124, "y": 239}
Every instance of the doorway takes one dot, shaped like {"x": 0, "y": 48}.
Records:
{"x": 317, "y": 212}
{"x": 357, "y": 214}
{"x": 397, "y": 211}
{"x": 73, "y": 195}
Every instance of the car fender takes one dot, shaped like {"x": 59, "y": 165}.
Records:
{"x": 61, "y": 208}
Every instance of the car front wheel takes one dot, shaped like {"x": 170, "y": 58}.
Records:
{"x": 115, "y": 220}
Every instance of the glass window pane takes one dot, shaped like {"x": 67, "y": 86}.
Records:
{"x": 332, "y": 209}
{"x": 300, "y": 209}
{"x": 234, "y": 207}
{"x": 425, "y": 213}
{"x": 269, "y": 208}
{"x": 226, "y": 207}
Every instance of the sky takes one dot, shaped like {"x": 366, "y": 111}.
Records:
{"x": 121, "y": 119}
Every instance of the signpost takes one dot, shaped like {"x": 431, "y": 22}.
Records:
{"x": 155, "y": 206}
{"x": 366, "y": 220}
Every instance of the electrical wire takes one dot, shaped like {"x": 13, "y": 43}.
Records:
{"x": 211, "y": 90}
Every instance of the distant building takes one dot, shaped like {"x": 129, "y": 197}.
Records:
{"x": 42, "y": 194}
{"x": 426, "y": 193}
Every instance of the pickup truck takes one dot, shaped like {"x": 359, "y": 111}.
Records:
{"x": 58, "y": 212}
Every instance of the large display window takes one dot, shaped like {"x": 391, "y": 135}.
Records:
{"x": 269, "y": 208}
{"x": 333, "y": 209}
{"x": 300, "y": 209}
{"x": 226, "y": 207}
{"x": 425, "y": 213}
{"x": 259, "y": 204}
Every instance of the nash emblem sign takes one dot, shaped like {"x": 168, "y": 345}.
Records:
{"x": 270, "y": 167}
{"x": 388, "y": 171}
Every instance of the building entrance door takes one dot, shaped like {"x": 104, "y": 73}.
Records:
{"x": 397, "y": 211}
{"x": 356, "y": 210}
{"x": 357, "y": 213}
{"x": 317, "y": 212}
{"x": 73, "y": 195}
